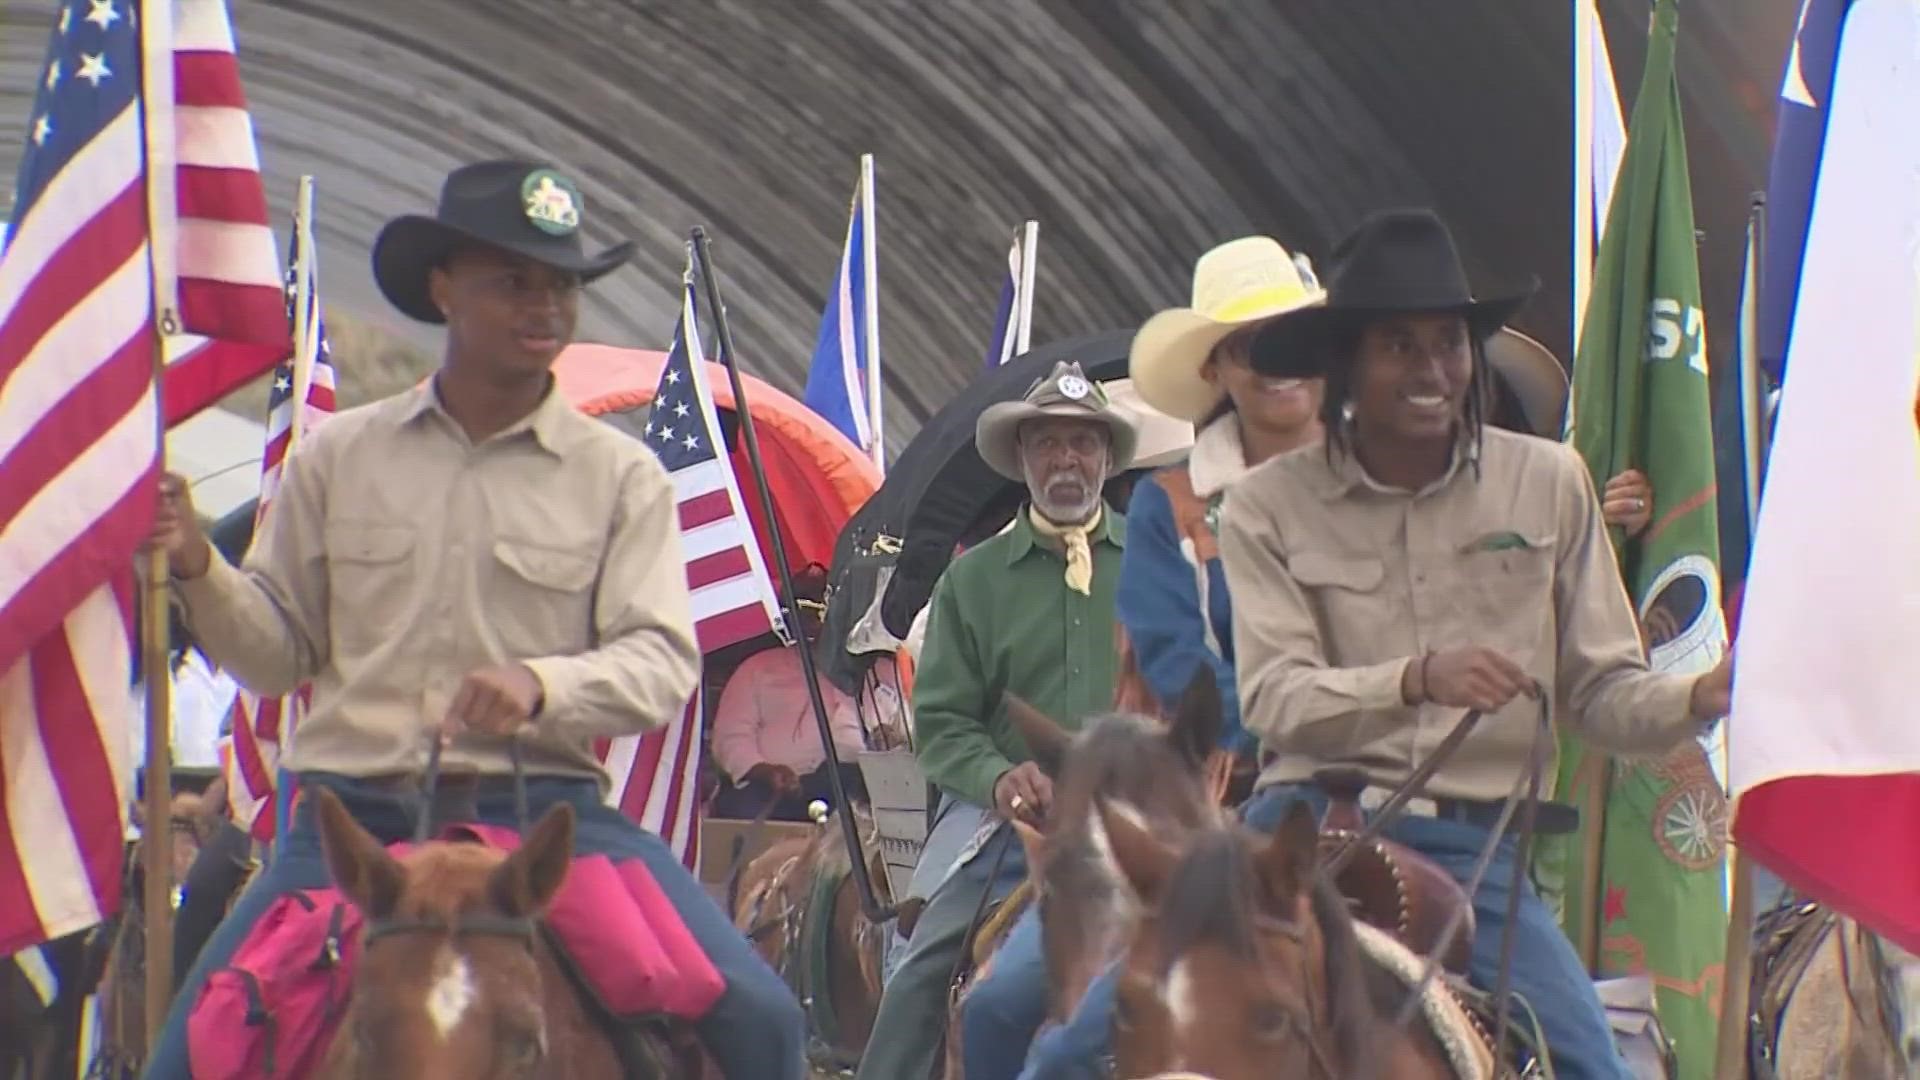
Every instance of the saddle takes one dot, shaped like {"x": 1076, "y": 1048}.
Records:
{"x": 1390, "y": 886}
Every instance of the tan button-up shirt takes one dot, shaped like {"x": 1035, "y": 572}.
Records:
{"x": 399, "y": 556}
{"x": 1339, "y": 583}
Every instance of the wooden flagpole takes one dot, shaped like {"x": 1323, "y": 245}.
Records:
{"x": 155, "y": 41}
{"x": 1730, "y": 1052}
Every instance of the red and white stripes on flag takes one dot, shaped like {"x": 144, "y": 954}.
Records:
{"x": 222, "y": 273}
{"x": 656, "y": 780}
{"x": 302, "y": 395}
{"x": 655, "y": 775}
{"x": 87, "y": 265}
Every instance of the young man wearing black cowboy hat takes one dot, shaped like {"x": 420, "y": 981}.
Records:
{"x": 470, "y": 560}
{"x": 1417, "y": 564}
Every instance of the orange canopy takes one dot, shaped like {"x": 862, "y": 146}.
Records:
{"x": 817, "y": 478}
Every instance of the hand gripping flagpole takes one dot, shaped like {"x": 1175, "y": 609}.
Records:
{"x": 869, "y": 900}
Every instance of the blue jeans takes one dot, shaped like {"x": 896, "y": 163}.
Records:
{"x": 1546, "y": 970}
{"x": 755, "y": 1030}
{"x": 1002, "y": 1011}
{"x": 913, "y": 1008}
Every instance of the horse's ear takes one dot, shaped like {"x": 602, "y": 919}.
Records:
{"x": 1143, "y": 860}
{"x": 526, "y": 882}
{"x": 1046, "y": 739}
{"x": 1033, "y": 842}
{"x": 361, "y": 868}
{"x": 1292, "y": 855}
{"x": 1195, "y": 730}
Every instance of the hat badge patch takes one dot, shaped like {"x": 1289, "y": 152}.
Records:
{"x": 551, "y": 202}
{"x": 1072, "y": 387}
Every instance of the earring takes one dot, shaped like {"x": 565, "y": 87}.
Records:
{"x": 1346, "y": 413}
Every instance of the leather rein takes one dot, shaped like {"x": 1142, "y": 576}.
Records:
{"x": 1522, "y": 799}
{"x": 521, "y": 928}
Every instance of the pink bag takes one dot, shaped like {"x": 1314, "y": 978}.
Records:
{"x": 624, "y": 936}
{"x": 272, "y": 1011}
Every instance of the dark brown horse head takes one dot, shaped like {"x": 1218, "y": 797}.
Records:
{"x": 431, "y": 1002}
{"x": 1155, "y": 770}
{"x": 1243, "y": 965}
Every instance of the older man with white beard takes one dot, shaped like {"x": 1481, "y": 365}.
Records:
{"x": 1029, "y": 611}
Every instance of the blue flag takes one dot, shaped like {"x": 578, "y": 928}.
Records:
{"x": 1798, "y": 142}
{"x": 843, "y": 385}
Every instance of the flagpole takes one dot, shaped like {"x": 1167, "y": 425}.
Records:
{"x": 723, "y": 335}
{"x": 1730, "y": 1051}
{"x": 302, "y": 317}
{"x": 1023, "y": 304}
{"x": 1583, "y": 31}
{"x": 156, "y": 37}
{"x": 870, "y": 314}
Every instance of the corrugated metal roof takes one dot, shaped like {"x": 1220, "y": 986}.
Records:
{"x": 1139, "y": 132}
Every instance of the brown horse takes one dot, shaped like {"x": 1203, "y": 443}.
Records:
{"x": 781, "y": 895}
{"x": 454, "y": 980}
{"x": 1087, "y": 911}
{"x": 1247, "y": 965}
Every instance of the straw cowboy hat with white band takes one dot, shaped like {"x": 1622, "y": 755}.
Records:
{"x": 1240, "y": 283}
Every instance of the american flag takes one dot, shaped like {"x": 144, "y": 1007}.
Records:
{"x": 302, "y": 395}
{"x": 85, "y": 269}
{"x": 656, "y": 776}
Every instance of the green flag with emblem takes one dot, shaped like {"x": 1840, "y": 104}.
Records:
{"x": 1643, "y": 886}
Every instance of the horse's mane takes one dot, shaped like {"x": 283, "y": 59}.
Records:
{"x": 1211, "y": 898}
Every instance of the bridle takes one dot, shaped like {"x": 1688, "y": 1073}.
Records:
{"x": 1323, "y": 1060}
{"x": 521, "y": 928}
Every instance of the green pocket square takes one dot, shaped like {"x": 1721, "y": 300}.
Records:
{"x": 1497, "y": 541}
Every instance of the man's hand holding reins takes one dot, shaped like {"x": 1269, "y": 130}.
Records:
{"x": 494, "y": 701}
{"x": 1023, "y": 793}
{"x": 1473, "y": 677}
{"x": 176, "y": 530}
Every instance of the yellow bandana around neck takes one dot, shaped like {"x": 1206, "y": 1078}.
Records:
{"x": 1073, "y": 540}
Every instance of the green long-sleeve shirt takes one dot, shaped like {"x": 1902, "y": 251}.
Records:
{"x": 1002, "y": 618}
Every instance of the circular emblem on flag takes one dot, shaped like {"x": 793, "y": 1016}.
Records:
{"x": 1073, "y": 387}
{"x": 551, "y": 202}
{"x": 1690, "y": 818}
{"x": 1681, "y": 619}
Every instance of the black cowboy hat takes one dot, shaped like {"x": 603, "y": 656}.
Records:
{"x": 1394, "y": 261}
{"x": 519, "y": 206}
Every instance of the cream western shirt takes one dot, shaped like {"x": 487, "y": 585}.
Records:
{"x": 1340, "y": 582}
{"x": 399, "y": 556}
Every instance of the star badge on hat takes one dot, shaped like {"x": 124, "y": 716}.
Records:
{"x": 1072, "y": 387}
{"x": 551, "y": 201}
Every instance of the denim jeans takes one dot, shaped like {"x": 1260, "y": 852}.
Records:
{"x": 1002, "y": 1011}
{"x": 1546, "y": 970}
{"x": 755, "y": 1030}
{"x": 913, "y": 1007}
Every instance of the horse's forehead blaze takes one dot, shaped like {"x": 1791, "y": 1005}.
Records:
{"x": 451, "y": 991}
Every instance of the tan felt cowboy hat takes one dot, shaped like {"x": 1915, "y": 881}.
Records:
{"x": 519, "y": 206}
{"x": 1159, "y": 439}
{"x": 1534, "y": 381}
{"x": 1237, "y": 284}
{"x": 1066, "y": 392}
